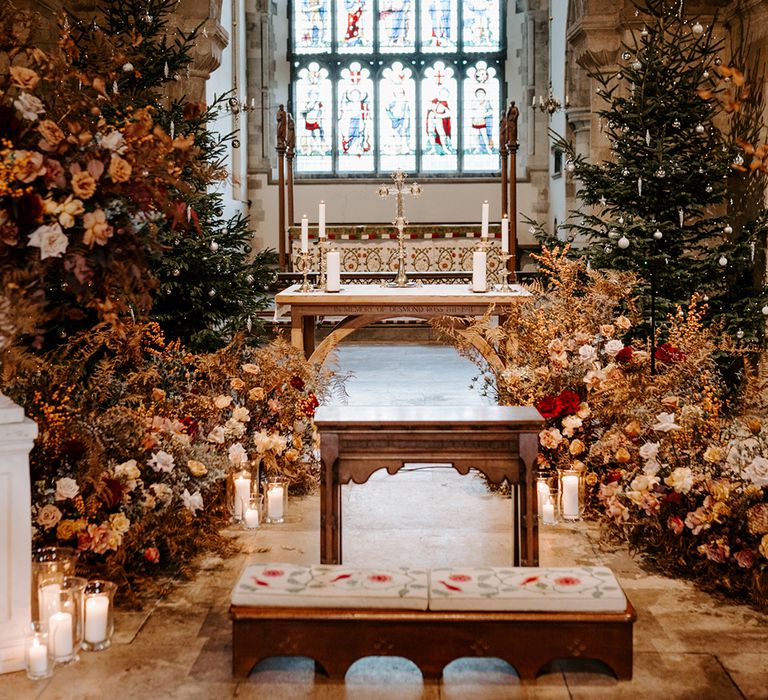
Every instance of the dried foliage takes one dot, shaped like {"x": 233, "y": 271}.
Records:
{"x": 137, "y": 436}
{"x": 675, "y": 459}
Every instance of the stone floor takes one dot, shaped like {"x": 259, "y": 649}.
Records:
{"x": 688, "y": 645}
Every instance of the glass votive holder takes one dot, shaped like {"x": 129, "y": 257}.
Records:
{"x": 62, "y": 604}
{"x": 38, "y": 660}
{"x": 239, "y": 490}
{"x": 252, "y": 516}
{"x": 570, "y": 493}
{"x": 276, "y": 500}
{"x": 50, "y": 564}
{"x": 99, "y": 615}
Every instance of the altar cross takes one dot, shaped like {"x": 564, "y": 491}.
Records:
{"x": 398, "y": 190}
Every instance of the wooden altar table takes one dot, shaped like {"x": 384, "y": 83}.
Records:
{"x": 361, "y": 305}
{"x": 499, "y": 441}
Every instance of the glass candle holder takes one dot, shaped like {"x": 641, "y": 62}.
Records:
{"x": 276, "y": 500}
{"x": 571, "y": 493}
{"x": 50, "y": 564}
{"x": 61, "y": 602}
{"x": 252, "y": 516}
{"x": 240, "y": 486}
{"x": 99, "y": 615}
{"x": 37, "y": 655}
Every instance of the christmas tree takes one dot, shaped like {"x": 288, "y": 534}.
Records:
{"x": 209, "y": 284}
{"x": 674, "y": 203}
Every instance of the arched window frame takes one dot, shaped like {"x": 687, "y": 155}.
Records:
{"x": 376, "y": 62}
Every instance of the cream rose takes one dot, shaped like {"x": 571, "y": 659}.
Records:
{"x": 550, "y": 438}
{"x": 66, "y": 488}
{"x": 29, "y": 106}
{"x": 119, "y": 169}
{"x": 251, "y": 368}
{"x": 128, "y": 470}
{"x": 196, "y": 468}
{"x": 51, "y": 240}
{"x": 113, "y": 141}
{"x": 242, "y": 414}
{"x": 97, "y": 230}
{"x": 24, "y": 78}
{"x": 28, "y": 165}
{"x": 757, "y": 471}
{"x": 257, "y": 394}
{"x": 83, "y": 184}
{"x": 681, "y": 480}
{"x": 118, "y": 522}
{"x": 48, "y": 516}
{"x": 51, "y": 133}
{"x": 222, "y": 401}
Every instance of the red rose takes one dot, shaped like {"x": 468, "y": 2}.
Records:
{"x": 379, "y": 578}
{"x": 673, "y": 497}
{"x": 273, "y": 572}
{"x": 569, "y": 403}
{"x": 675, "y": 524}
{"x": 613, "y": 476}
{"x": 625, "y": 354}
{"x": 549, "y": 407}
{"x": 668, "y": 354}
{"x": 459, "y": 577}
{"x": 191, "y": 425}
{"x": 152, "y": 555}
{"x": 297, "y": 383}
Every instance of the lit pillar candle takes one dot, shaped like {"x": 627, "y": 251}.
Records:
{"x": 548, "y": 513}
{"x": 484, "y": 227}
{"x": 48, "y": 600}
{"x": 478, "y": 271}
{"x": 37, "y": 655}
{"x": 304, "y": 234}
{"x": 251, "y": 518}
{"x": 321, "y": 220}
{"x": 543, "y": 490}
{"x": 242, "y": 495}
{"x": 570, "y": 496}
{"x": 333, "y": 271}
{"x": 96, "y": 618}
{"x": 275, "y": 503}
{"x": 504, "y": 234}
{"x": 60, "y": 634}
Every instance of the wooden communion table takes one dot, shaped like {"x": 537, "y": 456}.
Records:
{"x": 361, "y": 305}
{"x": 499, "y": 441}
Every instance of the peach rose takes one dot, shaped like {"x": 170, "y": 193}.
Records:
{"x": 119, "y": 169}
{"x": 51, "y": 133}
{"x": 48, "y": 516}
{"x": 28, "y": 165}
{"x": 83, "y": 184}
{"x": 24, "y": 78}
{"x": 97, "y": 230}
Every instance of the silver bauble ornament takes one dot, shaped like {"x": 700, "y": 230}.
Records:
{"x": 697, "y": 28}
{"x": 728, "y": 230}
{"x": 700, "y": 129}
{"x": 723, "y": 261}
{"x": 657, "y": 234}
{"x": 623, "y": 242}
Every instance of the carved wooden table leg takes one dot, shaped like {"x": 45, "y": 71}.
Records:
{"x": 330, "y": 500}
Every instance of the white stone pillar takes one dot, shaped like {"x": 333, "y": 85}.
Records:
{"x": 17, "y": 433}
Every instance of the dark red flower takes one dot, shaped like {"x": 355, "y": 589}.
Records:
{"x": 668, "y": 354}
{"x": 569, "y": 403}
{"x": 675, "y": 524}
{"x": 112, "y": 493}
{"x": 191, "y": 425}
{"x": 10, "y": 126}
{"x": 549, "y": 407}
{"x": 29, "y": 209}
{"x": 74, "y": 449}
{"x": 152, "y": 555}
{"x": 673, "y": 497}
{"x": 297, "y": 383}
{"x": 613, "y": 476}
{"x": 625, "y": 354}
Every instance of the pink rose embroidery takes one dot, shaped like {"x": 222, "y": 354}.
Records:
{"x": 274, "y": 572}
{"x": 379, "y": 578}
{"x": 459, "y": 577}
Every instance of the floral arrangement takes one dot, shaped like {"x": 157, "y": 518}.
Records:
{"x": 136, "y": 442}
{"x": 676, "y": 460}
{"x": 84, "y": 180}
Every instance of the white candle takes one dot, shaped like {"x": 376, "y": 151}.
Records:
{"x": 96, "y": 618}
{"x": 570, "y": 496}
{"x": 321, "y": 220}
{"x": 333, "y": 271}
{"x": 242, "y": 495}
{"x": 304, "y": 234}
{"x": 48, "y": 600}
{"x": 60, "y": 634}
{"x": 543, "y": 490}
{"x": 484, "y": 229}
{"x": 38, "y": 658}
{"x": 548, "y": 511}
{"x": 251, "y": 518}
{"x": 478, "y": 271}
{"x": 504, "y": 234}
{"x": 275, "y": 503}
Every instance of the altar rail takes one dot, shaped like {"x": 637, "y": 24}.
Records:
{"x": 441, "y": 248}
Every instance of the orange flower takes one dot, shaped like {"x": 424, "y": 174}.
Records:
{"x": 119, "y": 169}
{"x": 24, "y": 78}
{"x": 97, "y": 230}
{"x": 83, "y": 184}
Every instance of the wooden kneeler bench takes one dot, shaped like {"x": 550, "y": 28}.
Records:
{"x": 337, "y": 615}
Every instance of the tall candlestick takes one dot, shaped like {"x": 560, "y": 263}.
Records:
{"x": 478, "y": 271}
{"x": 60, "y": 631}
{"x": 333, "y": 271}
{"x": 96, "y": 618}
{"x": 321, "y": 220}
{"x": 504, "y": 234}
{"x": 304, "y": 234}
{"x": 484, "y": 228}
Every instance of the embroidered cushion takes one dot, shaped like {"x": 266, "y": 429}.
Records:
{"x": 549, "y": 589}
{"x": 331, "y": 586}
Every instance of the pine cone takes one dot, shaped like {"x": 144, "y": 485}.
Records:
{"x": 757, "y": 519}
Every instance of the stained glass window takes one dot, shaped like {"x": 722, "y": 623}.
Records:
{"x": 383, "y": 84}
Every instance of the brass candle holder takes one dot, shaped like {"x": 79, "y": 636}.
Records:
{"x": 504, "y": 286}
{"x": 322, "y": 245}
{"x": 304, "y": 259}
